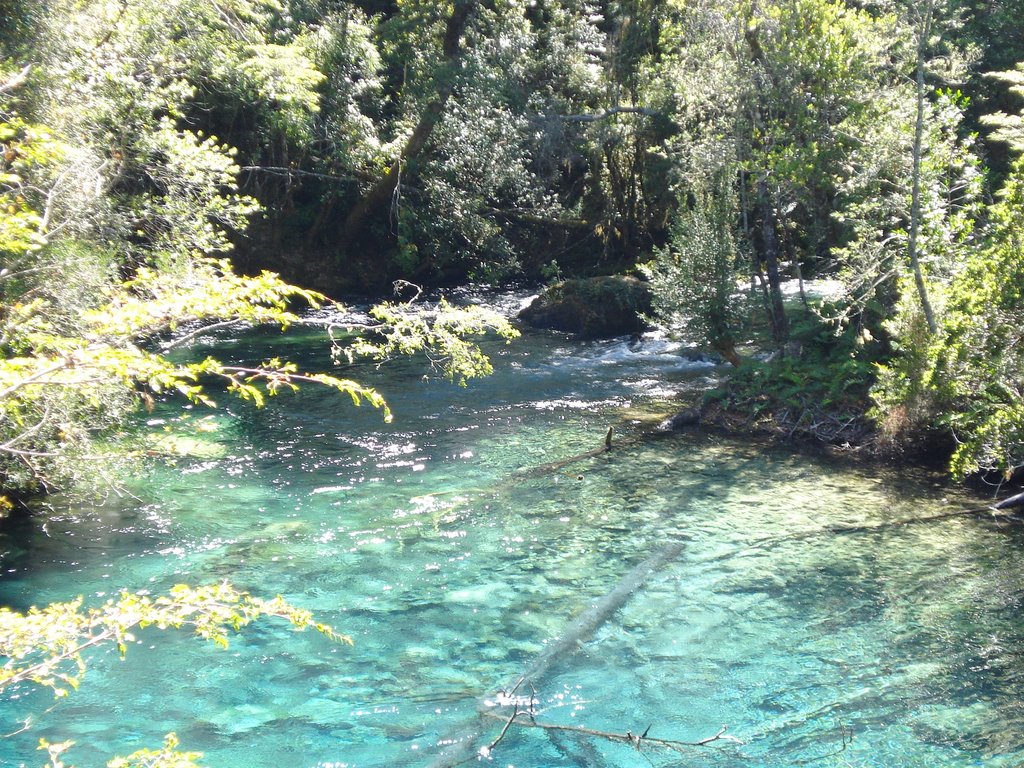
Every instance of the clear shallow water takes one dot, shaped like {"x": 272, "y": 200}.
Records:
{"x": 453, "y": 569}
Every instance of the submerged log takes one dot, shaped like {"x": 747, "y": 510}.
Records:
{"x": 586, "y": 624}
{"x": 688, "y": 417}
{"x": 573, "y": 636}
{"x": 554, "y": 466}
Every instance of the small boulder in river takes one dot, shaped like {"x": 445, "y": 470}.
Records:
{"x": 593, "y": 307}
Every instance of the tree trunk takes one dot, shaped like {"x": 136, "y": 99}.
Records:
{"x": 727, "y": 349}
{"x": 924, "y": 31}
{"x": 770, "y": 257}
{"x": 385, "y": 190}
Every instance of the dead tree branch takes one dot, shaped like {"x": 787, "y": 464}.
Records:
{"x": 846, "y": 739}
{"x": 611, "y": 112}
{"x": 637, "y": 741}
{"x": 188, "y": 337}
{"x": 271, "y": 170}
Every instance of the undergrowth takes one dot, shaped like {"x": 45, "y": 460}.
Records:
{"x": 818, "y": 389}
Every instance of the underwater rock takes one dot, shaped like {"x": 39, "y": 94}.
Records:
{"x": 482, "y": 594}
{"x": 696, "y": 355}
{"x": 242, "y": 718}
{"x": 420, "y": 654}
{"x": 325, "y": 712}
{"x": 593, "y": 307}
{"x": 171, "y": 444}
{"x": 453, "y": 678}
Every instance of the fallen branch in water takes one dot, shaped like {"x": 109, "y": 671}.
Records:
{"x": 554, "y": 466}
{"x": 634, "y": 740}
{"x": 1001, "y": 510}
{"x": 846, "y": 739}
{"x": 516, "y": 712}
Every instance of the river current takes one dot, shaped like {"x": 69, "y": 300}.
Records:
{"x": 651, "y": 588}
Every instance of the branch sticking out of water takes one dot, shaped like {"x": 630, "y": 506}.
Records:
{"x": 846, "y": 739}
{"x": 634, "y": 740}
{"x": 516, "y": 712}
{"x": 554, "y": 466}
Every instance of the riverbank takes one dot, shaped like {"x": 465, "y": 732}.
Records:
{"x": 847, "y": 434}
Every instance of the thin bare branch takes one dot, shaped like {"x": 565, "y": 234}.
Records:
{"x": 635, "y": 740}
{"x": 610, "y": 112}
{"x": 29, "y": 672}
{"x": 27, "y": 433}
{"x": 38, "y": 376}
{"x": 272, "y": 170}
{"x": 7, "y": 274}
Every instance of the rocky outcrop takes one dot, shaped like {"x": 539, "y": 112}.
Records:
{"x": 593, "y": 307}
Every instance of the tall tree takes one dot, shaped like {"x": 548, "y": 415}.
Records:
{"x": 923, "y": 29}
{"x": 384, "y": 190}
{"x": 695, "y": 279}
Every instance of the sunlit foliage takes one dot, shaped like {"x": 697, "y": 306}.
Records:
{"x": 697, "y": 280}
{"x": 444, "y": 336}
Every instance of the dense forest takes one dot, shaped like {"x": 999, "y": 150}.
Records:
{"x": 716, "y": 148}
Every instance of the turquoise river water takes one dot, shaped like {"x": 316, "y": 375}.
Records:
{"x": 455, "y": 568}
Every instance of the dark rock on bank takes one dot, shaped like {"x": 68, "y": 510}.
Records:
{"x": 593, "y": 307}
{"x": 688, "y": 417}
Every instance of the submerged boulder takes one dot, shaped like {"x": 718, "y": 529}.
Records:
{"x": 593, "y": 307}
